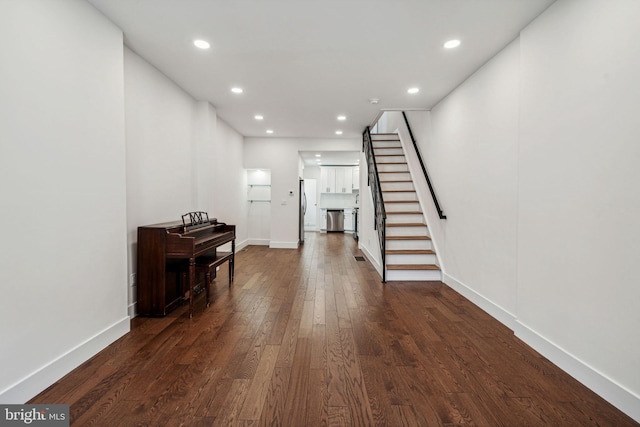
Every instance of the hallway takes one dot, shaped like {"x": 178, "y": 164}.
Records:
{"x": 312, "y": 337}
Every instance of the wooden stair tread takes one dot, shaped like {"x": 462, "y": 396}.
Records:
{"x": 398, "y": 191}
{"x": 406, "y": 224}
{"x": 391, "y": 163}
{"x": 404, "y": 213}
{"x": 392, "y": 172}
{"x": 394, "y": 181}
{"x": 410, "y": 252}
{"x": 408, "y": 238}
{"x": 412, "y": 267}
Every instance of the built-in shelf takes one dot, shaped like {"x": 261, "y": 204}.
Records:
{"x": 260, "y": 193}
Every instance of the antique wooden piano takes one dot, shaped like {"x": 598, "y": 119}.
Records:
{"x": 167, "y": 254}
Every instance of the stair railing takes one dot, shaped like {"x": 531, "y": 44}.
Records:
{"x": 424, "y": 169}
{"x": 376, "y": 192}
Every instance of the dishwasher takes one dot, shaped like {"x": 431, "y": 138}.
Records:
{"x": 335, "y": 220}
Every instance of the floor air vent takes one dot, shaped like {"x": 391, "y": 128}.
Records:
{"x": 359, "y": 258}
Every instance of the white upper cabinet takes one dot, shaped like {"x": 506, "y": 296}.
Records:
{"x": 336, "y": 179}
{"x": 355, "y": 178}
{"x": 327, "y": 180}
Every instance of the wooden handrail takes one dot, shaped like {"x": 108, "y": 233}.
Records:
{"x": 424, "y": 169}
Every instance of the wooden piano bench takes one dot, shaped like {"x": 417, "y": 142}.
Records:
{"x": 208, "y": 263}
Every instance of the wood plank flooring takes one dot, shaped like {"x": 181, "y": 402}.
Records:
{"x": 311, "y": 337}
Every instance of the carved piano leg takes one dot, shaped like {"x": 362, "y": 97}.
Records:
{"x": 192, "y": 274}
{"x": 232, "y": 261}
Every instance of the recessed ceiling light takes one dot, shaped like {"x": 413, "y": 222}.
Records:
{"x": 201, "y": 44}
{"x": 413, "y": 90}
{"x": 258, "y": 117}
{"x": 338, "y": 132}
{"x": 451, "y": 44}
{"x": 236, "y": 90}
{"x": 342, "y": 118}
{"x": 269, "y": 130}
{"x": 318, "y": 155}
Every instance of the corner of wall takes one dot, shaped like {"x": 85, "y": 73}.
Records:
{"x": 43, "y": 377}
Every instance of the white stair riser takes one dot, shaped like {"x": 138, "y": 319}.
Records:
{"x": 397, "y": 186}
{"x": 392, "y": 168}
{"x": 407, "y": 231}
{"x": 378, "y": 137}
{"x": 410, "y": 259}
{"x": 396, "y": 176}
{"x": 377, "y": 145}
{"x": 408, "y": 195}
{"x": 409, "y": 244}
{"x": 399, "y": 207}
{"x": 413, "y": 275}
{"x": 387, "y": 159}
{"x": 386, "y": 147}
{"x": 404, "y": 218}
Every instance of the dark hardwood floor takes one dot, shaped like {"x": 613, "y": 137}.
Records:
{"x": 311, "y": 337}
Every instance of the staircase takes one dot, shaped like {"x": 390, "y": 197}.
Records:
{"x": 409, "y": 254}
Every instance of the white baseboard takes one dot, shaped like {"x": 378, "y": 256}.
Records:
{"x": 371, "y": 259}
{"x": 242, "y": 245}
{"x": 609, "y": 390}
{"x": 132, "y": 310}
{"x": 258, "y": 242}
{"x": 283, "y": 245}
{"x": 48, "y": 374}
{"x": 494, "y": 310}
{"x": 623, "y": 399}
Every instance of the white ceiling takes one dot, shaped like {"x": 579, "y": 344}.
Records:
{"x": 302, "y": 63}
{"x": 330, "y": 158}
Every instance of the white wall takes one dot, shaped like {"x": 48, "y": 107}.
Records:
{"x": 62, "y": 180}
{"x": 472, "y": 162}
{"x": 280, "y": 155}
{"x": 160, "y": 129}
{"x": 229, "y": 184}
{"x": 534, "y": 159}
{"x": 180, "y": 158}
{"x": 579, "y": 203}
{"x": 368, "y": 241}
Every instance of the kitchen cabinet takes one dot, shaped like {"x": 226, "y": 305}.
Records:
{"x": 327, "y": 180}
{"x": 323, "y": 219}
{"x": 355, "y": 173}
{"x": 344, "y": 180}
{"x": 336, "y": 179}
{"x": 348, "y": 220}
